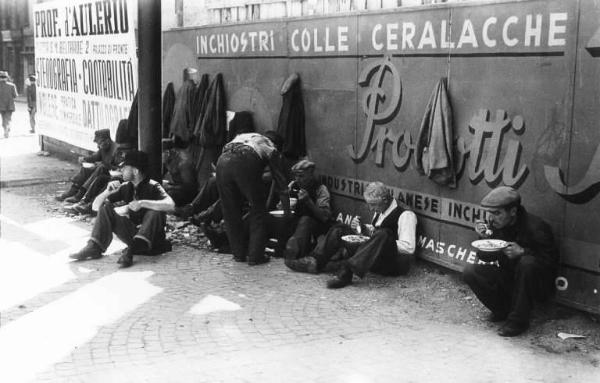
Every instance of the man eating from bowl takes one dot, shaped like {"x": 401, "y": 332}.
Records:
{"x": 526, "y": 267}
{"x": 312, "y": 212}
{"x": 391, "y": 240}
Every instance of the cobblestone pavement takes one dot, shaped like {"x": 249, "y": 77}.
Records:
{"x": 196, "y": 316}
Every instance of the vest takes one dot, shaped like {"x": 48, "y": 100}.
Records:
{"x": 391, "y": 221}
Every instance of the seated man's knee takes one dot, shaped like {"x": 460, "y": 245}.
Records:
{"x": 469, "y": 272}
{"x": 526, "y": 264}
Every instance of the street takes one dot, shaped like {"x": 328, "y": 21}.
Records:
{"x": 193, "y": 315}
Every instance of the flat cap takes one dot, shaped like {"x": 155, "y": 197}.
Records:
{"x": 303, "y": 165}
{"x": 501, "y": 196}
{"x": 101, "y": 134}
{"x": 137, "y": 159}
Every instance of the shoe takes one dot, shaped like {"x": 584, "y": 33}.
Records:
{"x": 126, "y": 259}
{"x": 239, "y": 259}
{"x": 495, "y": 317}
{"x": 291, "y": 249}
{"x": 162, "y": 247}
{"x": 343, "y": 279}
{"x": 69, "y": 193}
{"x": 184, "y": 211}
{"x": 76, "y": 197}
{"x": 258, "y": 261}
{"x": 83, "y": 207}
{"x": 303, "y": 265}
{"x": 91, "y": 250}
{"x": 513, "y": 328}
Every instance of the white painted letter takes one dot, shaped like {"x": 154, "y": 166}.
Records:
{"x": 556, "y": 29}
{"x": 377, "y": 46}
{"x": 486, "y": 37}
{"x": 508, "y": 41}
{"x": 534, "y": 32}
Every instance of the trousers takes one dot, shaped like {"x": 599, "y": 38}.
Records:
{"x": 151, "y": 230}
{"x": 239, "y": 178}
{"x": 379, "y": 254}
{"x": 512, "y": 288}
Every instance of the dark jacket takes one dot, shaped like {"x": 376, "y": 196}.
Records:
{"x": 106, "y": 157}
{"x": 291, "y": 121}
{"x": 532, "y": 234}
{"x": 182, "y": 124}
{"x": 168, "y": 104}
{"x": 132, "y": 120}
{"x": 211, "y": 130}
{"x": 8, "y": 92}
{"x": 434, "y": 153}
{"x": 31, "y": 95}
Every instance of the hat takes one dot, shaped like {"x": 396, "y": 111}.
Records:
{"x": 3, "y": 74}
{"x": 501, "y": 196}
{"x": 101, "y": 134}
{"x": 137, "y": 159}
{"x": 303, "y": 165}
{"x": 32, "y": 77}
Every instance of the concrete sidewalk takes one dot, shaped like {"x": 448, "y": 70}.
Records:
{"x": 196, "y": 316}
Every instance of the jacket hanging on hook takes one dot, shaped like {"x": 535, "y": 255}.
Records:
{"x": 434, "y": 153}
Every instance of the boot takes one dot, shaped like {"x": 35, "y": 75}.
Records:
{"x": 69, "y": 193}
{"x": 91, "y": 250}
{"x": 303, "y": 265}
{"x": 76, "y": 197}
{"x": 126, "y": 260}
{"x": 342, "y": 279}
{"x": 83, "y": 207}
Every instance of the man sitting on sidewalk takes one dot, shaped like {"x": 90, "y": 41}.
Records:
{"x": 387, "y": 252}
{"x": 526, "y": 268}
{"x": 145, "y": 204}
{"x": 98, "y": 184}
{"x": 99, "y": 163}
{"x": 312, "y": 212}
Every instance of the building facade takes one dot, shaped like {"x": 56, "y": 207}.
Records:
{"x": 16, "y": 40}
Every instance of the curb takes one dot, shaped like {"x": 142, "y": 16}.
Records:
{"x": 28, "y": 182}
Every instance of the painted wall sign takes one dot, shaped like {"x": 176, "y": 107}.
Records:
{"x": 505, "y": 30}
{"x": 443, "y": 209}
{"x": 86, "y": 66}
{"x": 525, "y": 112}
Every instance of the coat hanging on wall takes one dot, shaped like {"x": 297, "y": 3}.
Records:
{"x": 434, "y": 153}
{"x": 168, "y": 103}
{"x": 291, "y": 118}
{"x": 182, "y": 125}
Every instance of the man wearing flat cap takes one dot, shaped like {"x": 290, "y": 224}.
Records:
{"x": 525, "y": 269}
{"x": 312, "y": 212}
{"x": 8, "y": 93}
{"x": 142, "y": 202}
{"x": 100, "y": 162}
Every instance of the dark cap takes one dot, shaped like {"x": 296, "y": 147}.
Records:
{"x": 136, "y": 159}
{"x": 101, "y": 134}
{"x": 501, "y": 196}
{"x": 303, "y": 165}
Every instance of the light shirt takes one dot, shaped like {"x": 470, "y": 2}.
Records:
{"x": 407, "y": 228}
{"x": 261, "y": 144}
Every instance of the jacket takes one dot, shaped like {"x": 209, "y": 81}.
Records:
{"x": 291, "y": 119}
{"x": 434, "y": 153}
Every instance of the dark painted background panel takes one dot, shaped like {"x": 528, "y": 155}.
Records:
{"x": 523, "y": 86}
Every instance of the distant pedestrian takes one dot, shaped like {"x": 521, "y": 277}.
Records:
{"x": 8, "y": 93}
{"x": 31, "y": 99}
